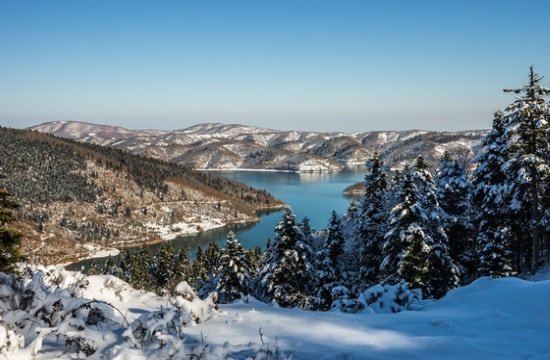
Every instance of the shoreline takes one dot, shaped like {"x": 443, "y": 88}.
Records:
{"x": 167, "y": 233}
{"x": 346, "y": 165}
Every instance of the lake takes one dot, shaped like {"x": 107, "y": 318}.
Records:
{"x": 314, "y": 195}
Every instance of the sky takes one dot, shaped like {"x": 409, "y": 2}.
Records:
{"x": 324, "y": 65}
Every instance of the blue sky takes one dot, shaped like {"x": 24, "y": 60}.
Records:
{"x": 293, "y": 65}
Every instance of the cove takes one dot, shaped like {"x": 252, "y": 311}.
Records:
{"x": 311, "y": 195}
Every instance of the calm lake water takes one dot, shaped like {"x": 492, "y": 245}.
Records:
{"x": 314, "y": 195}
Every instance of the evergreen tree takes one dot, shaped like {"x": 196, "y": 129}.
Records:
{"x": 181, "y": 268}
{"x": 307, "y": 233}
{"x": 198, "y": 272}
{"x": 414, "y": 264}
{"x": 335, "y": 238}
{"x": 126, "y": 266}
{"x": 111, "y": 268}
{"x": 208, "y": 269}
{"x": 373, "y": 218}
{"x": 453, "y": 195}
{"x": 286, "y": 273}
{"x": 327, "y": 272}
{"x": 416, "y": 245}
{"x": 162, "y": 268}
{"x": 141, "y": 275}
{"x": 443, "y": 274}
{"x": 489, "y": 197}
{"x": 403, "y": 223}
{"x": 233, "y": 274}
{"x": 254, "y": 258}
{"x": 10, "y": 239}
{"x": 527, "y": 123}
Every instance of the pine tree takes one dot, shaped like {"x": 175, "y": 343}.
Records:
{"x": 527, "y": 123}
{"x": 489, "y": 197}
{"x": 286, "y": 273}
{"x": 403, "y": 223}
{"x": 326, "y": 265}
{"x": 10, "y": 239}
{"x": 453, "y": 195}
{"x": 198, "y": 272}
{"x": 414, "y": 264}
{"x": 111, "y": 268}
{"x": 181, "y": 267}
{"x": 233, "y": 274}
{"x": 141, "y": 275}
{"x": 373, "y": 218}
{"x": 208, "y": 267}
{"x": 162, "y": 269}
{"x": 416, "y": 245}
{"x": 254, "y": 258}
{"x": 126, "y": 266}
{"x": 443, "y": 274}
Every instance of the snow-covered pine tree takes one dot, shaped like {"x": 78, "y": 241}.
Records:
{"x": 307, "y": 233}
{"x": 181, "y": 267}
{"x": 254, "y": 258}
{"x": 414, "y": 266}
{"x": 443, "y": 274}
{"x": 285, "y": 276}
{"x": 162, "y": 267}
{"x": 453, "y": 195}
{"x": 373, "y": 223}
{"x": 111, "y": 268}
{"x": 416, "y": 245}
{"x": 403, "y": 224}
{"x": 126, "y": 266}
{"x": 209, "y": 264}
{"x": 198, "y": 272}
{"x": 527, "y": 122}
{"x": 233, "y": 274}
{"x": 141, "y": 274}
{"x": 326, "y": 264}
{"x": 335, "y": 238}
{"x": 489, "y": 198}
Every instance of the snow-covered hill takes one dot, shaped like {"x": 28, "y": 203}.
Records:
{"x": 55, "y": 314}
{"x": 222, "y": 146}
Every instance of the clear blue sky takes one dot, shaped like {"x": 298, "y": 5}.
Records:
{"x": 336, "y": 65}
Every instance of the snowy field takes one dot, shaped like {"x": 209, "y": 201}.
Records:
{"x": 490, "y": 319}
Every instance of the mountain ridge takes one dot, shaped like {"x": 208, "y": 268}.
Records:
{"x": 225, "y": 146}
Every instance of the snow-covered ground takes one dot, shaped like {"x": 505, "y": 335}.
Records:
{"x": 187, "y": 227}
{"x": 490, "y": 319}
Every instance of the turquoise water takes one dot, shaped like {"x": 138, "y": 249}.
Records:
{"x": 314, "y": 195}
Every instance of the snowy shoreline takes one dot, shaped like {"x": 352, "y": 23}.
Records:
{"x": 160, "y": 233}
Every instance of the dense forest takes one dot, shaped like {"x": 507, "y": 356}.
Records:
{"x": 412, "y": 229}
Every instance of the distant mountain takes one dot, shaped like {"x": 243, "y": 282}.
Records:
{"x": 75, "y": 197}
{"x": 222, "y": 146}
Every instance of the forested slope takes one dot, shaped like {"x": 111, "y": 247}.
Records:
{"x": 72, "y": 194}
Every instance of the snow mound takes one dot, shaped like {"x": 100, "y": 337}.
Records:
{"x": 50, "y": 313}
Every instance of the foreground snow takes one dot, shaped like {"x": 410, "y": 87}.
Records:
{"x": 489, "y": 319}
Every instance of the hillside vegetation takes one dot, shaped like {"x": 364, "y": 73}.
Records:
{"x": 73, "y": 195}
